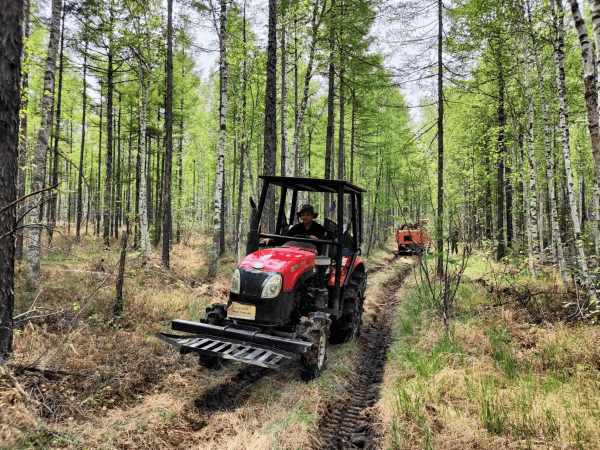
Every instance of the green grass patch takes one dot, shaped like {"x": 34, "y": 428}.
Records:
{"x": 495, "y": 381}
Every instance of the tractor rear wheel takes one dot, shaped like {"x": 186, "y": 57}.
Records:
{"x": 215, "y": 315}
{"x": 347, "y": 328}
{"x": 315, "y": 329}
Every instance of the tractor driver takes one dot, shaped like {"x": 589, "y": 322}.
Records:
{"x": 307, "y": 227}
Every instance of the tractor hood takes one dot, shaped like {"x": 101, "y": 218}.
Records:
{"x": 290, "y": 262}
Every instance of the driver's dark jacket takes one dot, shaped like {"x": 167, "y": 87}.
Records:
{"x": 300, "y": 230}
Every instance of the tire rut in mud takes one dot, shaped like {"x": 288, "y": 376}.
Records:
{"x": 346, "y": 425}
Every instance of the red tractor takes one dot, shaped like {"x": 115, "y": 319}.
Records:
{"x": 290, "y": 295}
{"x": 412, "y": 238}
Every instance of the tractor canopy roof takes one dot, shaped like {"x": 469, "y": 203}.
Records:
{"x": 312, "y": 184}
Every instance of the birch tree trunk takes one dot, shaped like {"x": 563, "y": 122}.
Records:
{"x": 41, "y": 148}
{"x": 556, "y": 238}
{"x": 595, "y": 9}
{"x": 143, "y": 200}
{"x": 532, "y": 210}
{"x": 526, "y": 208}
{"x": 214, "y": 263}
{"x": 591, "y": 102}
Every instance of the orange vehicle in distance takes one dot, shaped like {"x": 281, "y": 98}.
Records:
{"x": 412, "y": 237}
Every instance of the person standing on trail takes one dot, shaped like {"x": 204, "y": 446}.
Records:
{"x": 454, "y": 232}
{"x": 307, "y": 226}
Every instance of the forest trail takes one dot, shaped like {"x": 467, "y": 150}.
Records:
{"x": 117, "y": 386}
{"x": 348, "y": 423}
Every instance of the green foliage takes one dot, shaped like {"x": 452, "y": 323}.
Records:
{"x": 503, "y": 352}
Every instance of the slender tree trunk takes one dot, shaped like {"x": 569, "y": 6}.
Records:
{"x": 168, "y": 160}
{"x": 138, "y": 174}
{"x": 98, "y": 208}
{"x": 11, "y": 39}
{"x": 591, "y": 103}
{"x": 214, "y": 264}
{"x": 372, "y": 236}
{"x": 287, "y": 168}
{"x": 294, "y": 154}
{"x": 440, "y": 169}
{"x": 118, "y": 309}
{"x": 54, "y": 181}
{"x": 556, "y": 238}
{"x": 532, "y": 210}
{"x": 501, "y": 252}
{"x": 244, "y": 148}
{"x": 509, "y": 202}
{"x": 81, "y": 154}
{"x": 270, "y": 139}
{"x": 39, "y": 158}
{"x": 307, "y": 77}
{"x": 106, "y": 216}
{"x": 595, "y": 9}
{"x": 22, "y": 178}
{"x": 180, "y": 178}
{"x": 352, "y": 131}
{"x": 144, "y": 92}
{"x": 341, "y": 156}
{"x": 118, "y": 188}
{"x": 330, "y": 108}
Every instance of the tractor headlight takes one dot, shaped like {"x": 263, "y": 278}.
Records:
{"x": 272, "y": 287}
{"x": 235, "y": 282}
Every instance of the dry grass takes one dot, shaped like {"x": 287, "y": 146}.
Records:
{"x": 110, "y": 384}
{"x": 501, "y": 381}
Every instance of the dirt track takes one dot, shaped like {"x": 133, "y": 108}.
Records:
{"x": 348, "y": 424}
{"x": 125, "y": 376}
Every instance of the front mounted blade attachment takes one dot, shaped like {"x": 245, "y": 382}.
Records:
{"x": 245, "y": 352}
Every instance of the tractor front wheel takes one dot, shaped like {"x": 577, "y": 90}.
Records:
{"x": 215, "y": 315}
{"x": 315, "y": 329}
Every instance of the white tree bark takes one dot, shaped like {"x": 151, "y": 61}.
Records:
{"x": 532, "y": 207}
{"x": 595, "y": 9}
{"x": 592, "y": 110}
{"x": 39, "y": 159}
{"x": 214, "y": 264}
{"x": 143, "y": 206}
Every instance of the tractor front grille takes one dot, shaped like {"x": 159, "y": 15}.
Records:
{"x": 251, "y": 281}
